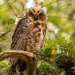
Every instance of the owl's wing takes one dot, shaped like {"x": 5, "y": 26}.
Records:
{"x": 44, "y": 33}
{"x": 20, "y": 31}
{"x": 18, "y": 37}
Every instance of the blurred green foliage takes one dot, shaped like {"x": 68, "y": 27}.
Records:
{"x": 4, "y": 68}
{"x": 55, "y": 64}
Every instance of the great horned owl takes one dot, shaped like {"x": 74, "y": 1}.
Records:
{"x": 28, "y": 36}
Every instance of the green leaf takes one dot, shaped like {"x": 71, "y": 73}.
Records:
{"x": 2, "y": 39}
{"x": 4, "y": 64}
{"x": 11, "y": 21}
{"x": 73, "y": 68}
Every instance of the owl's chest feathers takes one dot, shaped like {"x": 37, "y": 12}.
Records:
{"x": 34, "y": 39}
{"x": 36, "y": 33}
{"x": 36, "y": 29}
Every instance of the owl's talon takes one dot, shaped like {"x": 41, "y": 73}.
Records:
{"x": 37, "y": 54}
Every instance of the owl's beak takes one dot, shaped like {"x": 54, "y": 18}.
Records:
{"x": 35, "y": 17}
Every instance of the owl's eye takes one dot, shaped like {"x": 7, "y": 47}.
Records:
{"x": 31, "y": 13}
{"x": 41, "y": 14}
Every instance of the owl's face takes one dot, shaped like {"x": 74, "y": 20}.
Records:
{"x": 36, "y": 14}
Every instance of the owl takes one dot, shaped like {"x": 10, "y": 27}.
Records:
{"x": 28, "y": 36}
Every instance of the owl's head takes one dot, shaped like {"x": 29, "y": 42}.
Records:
{"x": 36, "y": 13}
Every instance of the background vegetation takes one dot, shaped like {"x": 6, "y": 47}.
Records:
{"x": 57, "y": 56}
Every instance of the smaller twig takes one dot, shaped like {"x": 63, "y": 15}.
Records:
{"x": 51, "y": 3}
{"x": 11, "y": 8}
{"x": 22, "y": 6}
{"x": 4, "y": 33}
{"x": 57, "y": 17}
{"x": 13, "y": 2}
{"x": 51, "y": 31}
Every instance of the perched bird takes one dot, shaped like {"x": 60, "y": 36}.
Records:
{"x": 28, "y": 36}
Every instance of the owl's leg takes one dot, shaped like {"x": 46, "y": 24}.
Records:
{"x": 10, "y": 71}
{"x": 17, "y": 70}
{"x": 37, "y": 53}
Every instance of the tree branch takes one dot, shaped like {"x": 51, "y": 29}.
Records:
{"x": 13, "y": 2}
{"x": 51, "y": 3}
{"x": 57, "y": 17}
{"x": 28, "y": 57}
{"x": 24, "y": 55}
{"x": 11, "y": 8}
{"x": 4, "y": 33}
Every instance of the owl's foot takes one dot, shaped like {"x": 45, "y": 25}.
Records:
{"x": 37, "y": 54}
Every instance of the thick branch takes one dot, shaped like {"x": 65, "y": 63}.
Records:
{"x": 24, "y": 55}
